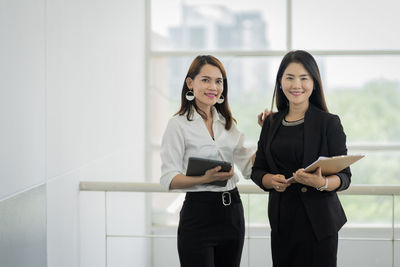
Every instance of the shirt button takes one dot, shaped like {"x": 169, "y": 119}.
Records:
{"x": 304, "y": 189}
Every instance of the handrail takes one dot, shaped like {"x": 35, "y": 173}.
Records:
{"x": 356, "y": 189}
{"x": 359, "y": 189}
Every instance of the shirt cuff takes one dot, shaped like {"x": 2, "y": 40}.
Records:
{"x": 166, "y": 179}
{"x": 344, "y": 182}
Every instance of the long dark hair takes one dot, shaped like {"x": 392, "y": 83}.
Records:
{"x": 187, "y": 106}
{"x": 317, "y": 97}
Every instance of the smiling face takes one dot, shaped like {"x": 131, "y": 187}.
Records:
{"x": 297, "y": 84}
{"x": 207, "y": 86}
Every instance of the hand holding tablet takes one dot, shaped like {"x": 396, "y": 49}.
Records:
{"x": 199, "y": 166}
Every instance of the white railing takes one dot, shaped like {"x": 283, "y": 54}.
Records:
{"x": 377, "y": 190}
{"x": 243, "y": 188}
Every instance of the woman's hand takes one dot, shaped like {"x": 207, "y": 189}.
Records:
{"x": 275, "y": 181}
{"x": 214, "y": 174}
{"x": 314, "y": 179}
{"x": 262, "y": 116}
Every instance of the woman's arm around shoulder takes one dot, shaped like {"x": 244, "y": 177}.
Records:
{"x": 243, "y": 155}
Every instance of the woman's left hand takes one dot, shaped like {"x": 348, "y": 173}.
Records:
{"x": 314, "y": 179}
{"x": 262, "y": 116}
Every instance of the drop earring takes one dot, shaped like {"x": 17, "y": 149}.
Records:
{"x": 221, "y": 99}
{"x": 189, "y": 95}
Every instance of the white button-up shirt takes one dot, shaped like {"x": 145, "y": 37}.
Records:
{"x": 183, "y": 139}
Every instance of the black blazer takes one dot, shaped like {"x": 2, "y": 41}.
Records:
{"x": 323, "y": 136}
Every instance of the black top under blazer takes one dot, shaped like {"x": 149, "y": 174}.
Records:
{"x": 323, "y": 136}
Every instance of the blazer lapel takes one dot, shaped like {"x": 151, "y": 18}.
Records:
{"x": 277, "y": 121}
{"x": 311, "y": 135}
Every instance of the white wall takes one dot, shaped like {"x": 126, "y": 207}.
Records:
{"x": 22, "y": 134}
{"x": 22, "y": 95}
{"x": 21, "y": 243}
{"x": 72, "y": 104}
{"x": 95, "y": 107}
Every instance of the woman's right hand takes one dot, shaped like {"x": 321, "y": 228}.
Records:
{"x": 275, "y": 181}
{"x": 213, "y": 175}
{"x": 262, "y": 116}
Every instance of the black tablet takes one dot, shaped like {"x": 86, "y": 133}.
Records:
{"x": 199, "y": 166}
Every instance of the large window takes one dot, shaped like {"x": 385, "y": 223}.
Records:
{"x": 358, "y": 54}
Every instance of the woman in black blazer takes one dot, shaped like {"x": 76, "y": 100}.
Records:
{"x": 305, "y": 216}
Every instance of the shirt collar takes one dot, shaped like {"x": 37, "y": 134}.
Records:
{"x": 216, "y": 115}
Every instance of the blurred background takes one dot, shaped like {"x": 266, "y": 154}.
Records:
{"x": 87, "y": 87}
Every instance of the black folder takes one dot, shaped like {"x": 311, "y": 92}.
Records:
{"x": 199, "y": 166}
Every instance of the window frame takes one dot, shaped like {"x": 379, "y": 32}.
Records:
{"x": 151, "y": 54}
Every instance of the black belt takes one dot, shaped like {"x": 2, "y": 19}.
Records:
{"x": 225, "y": 197}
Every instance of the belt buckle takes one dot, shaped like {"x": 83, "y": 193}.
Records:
{"x": 226, "y": 198}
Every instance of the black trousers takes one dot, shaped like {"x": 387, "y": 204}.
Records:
{"x": 211, "y": 229}
{"x": 295, "y": 244}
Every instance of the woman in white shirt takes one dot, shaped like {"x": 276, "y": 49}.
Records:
{"x": 211, "y": 226}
